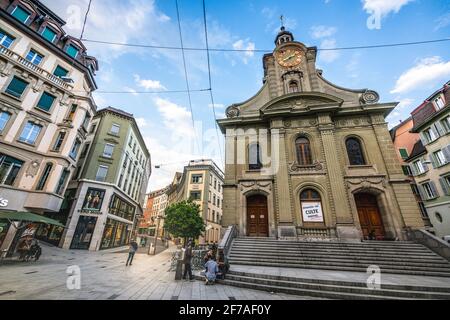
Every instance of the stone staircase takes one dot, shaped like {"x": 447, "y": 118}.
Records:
{"x": 392, "y": 257}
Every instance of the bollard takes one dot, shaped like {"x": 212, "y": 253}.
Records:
{"x": 179, "y": 270}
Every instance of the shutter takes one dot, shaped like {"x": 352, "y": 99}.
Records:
{"x": 434, "y": 189}
{"x": 423, "y": 138}
{"x": 439, "y": 128}
{"x": 445, "y": 186}
{"x": 436, "y": 133}
{"x": 413, "y": 169}
{"x": 446, "y": 152}
{"x": 433, "y": 160}
{"x": 422, "y": 192}
{"x": 425, "y": 166}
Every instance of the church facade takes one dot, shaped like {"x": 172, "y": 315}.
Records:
{"x": 308, "y": 159}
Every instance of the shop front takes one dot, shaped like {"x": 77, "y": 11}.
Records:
{"x": 116, "y": 234}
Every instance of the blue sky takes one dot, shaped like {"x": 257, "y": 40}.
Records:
{"x": 406, "y": 74}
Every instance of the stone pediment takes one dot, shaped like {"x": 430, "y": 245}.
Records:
{"x": 302, "y": 102}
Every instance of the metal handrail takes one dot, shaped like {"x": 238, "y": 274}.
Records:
{"x": 225, "y": 245}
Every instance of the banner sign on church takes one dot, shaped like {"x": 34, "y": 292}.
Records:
{"x": 312, "y": 212}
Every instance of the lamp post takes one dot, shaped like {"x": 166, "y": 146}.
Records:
{"x": 156, "y": 233}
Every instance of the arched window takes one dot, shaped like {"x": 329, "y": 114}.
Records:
{"x": 311, "y": 206}
{"x": 293, "y": 86}
{"x": 303, "y": 148}
{"x": 44, "y": 176}
{"x": 355, "y": 152}
{"x": 254, "y": 157}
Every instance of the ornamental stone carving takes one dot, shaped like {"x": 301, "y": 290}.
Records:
{"x": 370, "y": 97}
{"x": 316, "y": 167}
{"x": 33, "y": 168}
{"x": 232, "y": 112}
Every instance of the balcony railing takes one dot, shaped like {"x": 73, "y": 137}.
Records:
{"x": 11, "y": 55}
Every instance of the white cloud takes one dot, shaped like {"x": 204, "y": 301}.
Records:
{"x": 328, "y": 56}
{"x": 131, "y": 90}
{"x": 442, "y": 22}
{"x": 383, "y": 7}
{"x": 318, "y": 32}
{"x": 141, "y": 122}
{"x": 148, "y": 84}
{"x": 428, "y": 72}
{"x": 175, "y": 117}
{"x": 217, "y": 105}
{"x": 245, "y": 45}
{"x": 404, "y": 103}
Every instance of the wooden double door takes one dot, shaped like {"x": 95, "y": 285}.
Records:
{"x": 257, "y": 216}
{"x": 369, "y": 216}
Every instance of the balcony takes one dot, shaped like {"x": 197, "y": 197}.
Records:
{"x": 34, "y": 69}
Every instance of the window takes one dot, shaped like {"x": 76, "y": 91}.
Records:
{"x": 403, "y": 153}
{"x": 49, "y": 34}
{"x": 5, "y": 39}
{"x": 30, "y": 132}
{"x": 445, "y": 184}
{"x": 4, "y": 118}
{"x": 45, "y": 102}
{"x": 418, "y": 167}
{"x": 407, "y": 170}
{"x": 72, "y": 51}
{"x": 197, "y": 178}
{"x": 214, "y": 199}
{"x": 59, "y": 141}
{"x": 254, "y": 157}
{"x": 60, "y": 72}
{"x": 446, "y": 124}
{"x": 93, "y": 127}
{"x": 62, "y": 182}
{"x": 439, "y": 158}
{"x": 115, "y": 129}
{"x": 86, "y": 121}
{"x": 34, "y": 57}
{"x": 20, "y": 14}
{"x": 429, "y": 135}
{"x": 102, "y": 172}
{"x": 354, "y": 152}
{"x": 108, "y": 151}
{"x": 72, "y": 111}
{"x": 430, "y": 190}
{"x": 439, "y": 102}
{"x": 293, "y": 87}
{"x": 74, "y": 151}
{"x": 438, "y": 217}
{"x": 85, "y": 150}
{"x": 303, "y": 148}
{"x": 209, "y": 197}
{"x": 9, "y": 169}
{"x": 195, "y": 195}
{"x": 131, "y": 141}
{"x": 44, "y": 176}
{"x": 210, "y": 179}
{"x": 215, "y": 183}
{"x": 16, "y": 87}
{"x": 93, "y": 200}
{"x": 311, "y": 206}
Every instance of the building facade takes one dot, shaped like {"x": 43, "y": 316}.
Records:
{"x": 430, "y": 163}
{"x": 106, "y": 196}
{"x": 201, "y": 181}
{"x": 308, "y": 159}
{"x": 405, "y": 142}
{"x": 46, "y": 107}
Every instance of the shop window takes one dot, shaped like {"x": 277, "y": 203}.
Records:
{"x": 93, "y": 200}
{"x": 355, "y": 152}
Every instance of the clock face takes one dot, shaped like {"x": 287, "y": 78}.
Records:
{"x": 289, "y": 57}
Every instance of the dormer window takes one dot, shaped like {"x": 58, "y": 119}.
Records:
{"x": 72, "y": 51}
{"x": 49, "y": 34}
{"x": 439, "y": 102}
{"x": 21, "y": 14}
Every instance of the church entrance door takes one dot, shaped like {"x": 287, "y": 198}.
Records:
{"x": 257, "y": 216}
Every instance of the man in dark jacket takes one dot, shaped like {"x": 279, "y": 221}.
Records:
{"x": 187, "y": 262}
{"x": 132, "y": 250}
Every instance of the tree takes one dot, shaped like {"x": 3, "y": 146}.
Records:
{"x": 183, "y": 220}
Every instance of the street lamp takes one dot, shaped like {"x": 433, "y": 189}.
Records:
{"x": 156, "y": 234}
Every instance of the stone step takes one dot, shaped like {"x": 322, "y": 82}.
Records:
{"x": 312, "y": 253}
{"x": 403, "y": 287}
{"x": 339, "y": 287}
{"x": 343, "y": 259}
{"x": 301, "y": 242}
{"x": 324, "y": 266}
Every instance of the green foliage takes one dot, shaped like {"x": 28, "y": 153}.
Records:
{"x": 183, "y": 220}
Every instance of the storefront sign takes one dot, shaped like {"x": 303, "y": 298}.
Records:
{"x": 312, "y": 212}
{"x": 93, "y": 200}
{"x": 3, "y": 202}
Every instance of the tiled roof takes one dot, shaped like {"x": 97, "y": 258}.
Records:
{"x": 417, "y": 150}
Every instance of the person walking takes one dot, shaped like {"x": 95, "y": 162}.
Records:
{"x": 187, "y": 262}
{"x": 131, "y": 252}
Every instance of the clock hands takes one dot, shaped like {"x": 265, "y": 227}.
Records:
{"x": 290, "y": 57}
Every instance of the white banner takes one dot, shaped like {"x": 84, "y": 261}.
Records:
{"x": 312, "y": 212}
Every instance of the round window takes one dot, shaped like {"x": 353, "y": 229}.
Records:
{"x": 438, "y": 217}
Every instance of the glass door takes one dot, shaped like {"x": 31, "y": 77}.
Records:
{"x": 83, "y": 232}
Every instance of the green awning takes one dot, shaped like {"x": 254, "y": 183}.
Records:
{"x": 28, "y": 216}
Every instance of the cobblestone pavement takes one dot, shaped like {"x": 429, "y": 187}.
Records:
{"x": 104, "y": 276}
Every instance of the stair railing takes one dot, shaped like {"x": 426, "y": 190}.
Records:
{"x": 224, "y": 247}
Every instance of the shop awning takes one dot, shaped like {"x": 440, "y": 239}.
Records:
{"x": 28, "y": 216}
